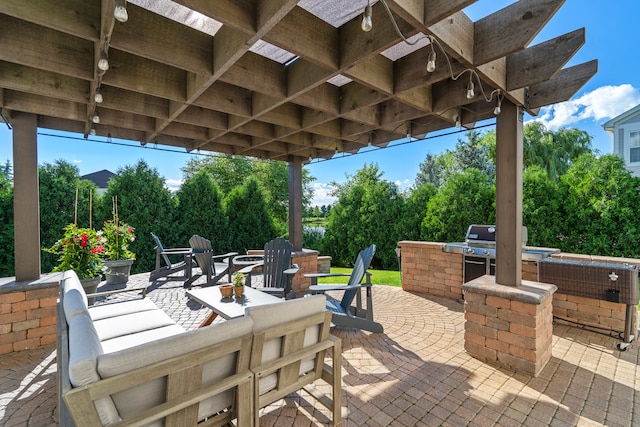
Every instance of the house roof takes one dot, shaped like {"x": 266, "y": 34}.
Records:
{"x": 99, "y": 178}
{"x": 610, "y": 125}
{"x": 277, "y": 79}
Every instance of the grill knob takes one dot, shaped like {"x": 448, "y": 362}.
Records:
{"x": 469, "y": 251}
{"x": 486, "y": 252}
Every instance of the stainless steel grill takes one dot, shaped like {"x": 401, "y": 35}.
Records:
{"x": 479, "y": 251}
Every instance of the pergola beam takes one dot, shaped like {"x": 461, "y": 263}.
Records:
{"x": 541, "y": 62}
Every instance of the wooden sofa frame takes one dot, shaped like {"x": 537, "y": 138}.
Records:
{"x": 184, "y": 372}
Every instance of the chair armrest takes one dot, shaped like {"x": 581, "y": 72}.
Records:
{"x": 323, "y": 288}
{"x": 316, "y": 275}
{"x": 292, "y": 270}
{"x": 227, "y": 255}
{"x": 249, "y": 269}
{"x": 176, "y": 251}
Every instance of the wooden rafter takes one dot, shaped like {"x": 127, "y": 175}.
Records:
{"x": 170, "y": 83}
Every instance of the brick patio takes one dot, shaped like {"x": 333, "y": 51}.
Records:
{"x": 416, "y": 373}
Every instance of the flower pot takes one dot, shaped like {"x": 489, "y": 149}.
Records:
{"x": 226, "y": 291}
{"x": 117, "y": 271}
{"x": 239, "y": 291}
{"x": 90, "y": 286}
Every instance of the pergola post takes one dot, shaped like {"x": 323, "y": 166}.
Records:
{"x": 26, "y": 203}
{"x": 295, "y": 203}
{"x": 509, "y": 195}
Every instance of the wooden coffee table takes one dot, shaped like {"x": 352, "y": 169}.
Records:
{"x": 232, "y": 307}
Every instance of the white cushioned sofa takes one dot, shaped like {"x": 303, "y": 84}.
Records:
{"x": 128, "y": 363}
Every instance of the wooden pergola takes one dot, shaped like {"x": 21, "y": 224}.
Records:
{"x": 277, "y": 79}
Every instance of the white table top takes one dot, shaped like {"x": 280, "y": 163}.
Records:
{"x": 232, "y": 307}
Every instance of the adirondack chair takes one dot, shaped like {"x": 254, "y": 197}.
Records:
{"x": 344, "y": 313}
{"x": 277, "y": 270}
{"x": 214, "y": 267}
{"x": 169, "y": 267}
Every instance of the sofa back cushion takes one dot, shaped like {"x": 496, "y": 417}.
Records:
{"x": 74, "y": 299}
{"x": 272, "y": 315}
{"x": 84, "y": 350}
{"x": 147, "y": 395}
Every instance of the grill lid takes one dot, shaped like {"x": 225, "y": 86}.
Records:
{"x": 481, "y": 233}
{"x": 485, "y": 235}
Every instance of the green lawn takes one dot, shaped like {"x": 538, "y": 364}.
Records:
{"x": 378, "y": 277}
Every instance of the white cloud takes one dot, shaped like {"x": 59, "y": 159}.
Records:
{"x": 404, "y": 184}
{"x": 77, "y": 161}
{"x": 602, "y": 103}
{"x": 322, "y": 194}
{"x": 173, "y": 184}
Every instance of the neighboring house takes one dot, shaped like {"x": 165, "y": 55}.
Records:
{"x": 100, "y": 179}
{"x": 625, "y": 130}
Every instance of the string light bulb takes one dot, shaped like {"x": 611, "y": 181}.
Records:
{"x": 103, "y": 62}
{"x": 120, "y": 11}
{"x": 470, "y": 90}
{"x": 367, "y": 18}
{"x": 498, "y": 108}
{"x": 458, "y": 121}
{"x": 431, "y": 62}
{"x": 96, "y": 117}
{"x": 92, "y": 131}
{"x": 98, "y": 97}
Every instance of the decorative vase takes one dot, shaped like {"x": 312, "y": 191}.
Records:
{"x": 239, "y": 291}
{"x": 90, "y": 286}
{"x": 117, "y": 271}
{"x": 226, "y": 291}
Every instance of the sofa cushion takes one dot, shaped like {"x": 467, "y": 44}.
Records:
{"x": 84, "y": 350}
{"x": 270, "y": 315}
{"x": 131, "y": 323}
{"x": 74, "y": 299}
{"x": 132, "y": 401}
{"x": 104, "y": 311}
{"x": 131, "y": 340}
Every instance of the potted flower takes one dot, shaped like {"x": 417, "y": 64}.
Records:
{"x": 238, "y": 280}
{"x": 80, "y": 250}
{"x": 118, "y": 259}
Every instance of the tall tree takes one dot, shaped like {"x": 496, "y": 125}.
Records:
{"x": 555, "y": 152}
{"x": 467, "y": 198}
{"x": 415, "y": 209}
{"x": 601, "y": 200}
{"x": 366, "y": 212}
{"x": 250, "y": 223}
{"x": 145, "y": 204}
{"x": 200, "y": 212}
{"x": 230, "y": 172}
{"x": 542, "y": 208}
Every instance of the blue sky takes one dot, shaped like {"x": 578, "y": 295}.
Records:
{"x": 614, "y": 89}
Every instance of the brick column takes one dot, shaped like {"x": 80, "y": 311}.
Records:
{"x": 307, "y": 260}
{"x": 507, "y": 325}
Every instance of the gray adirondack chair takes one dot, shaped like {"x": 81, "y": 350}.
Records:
{"x": 214, "y": 267}
{"x": 344, "y": 313}
{"x": 277, "y": 269}
{"x": 169, "y": 267}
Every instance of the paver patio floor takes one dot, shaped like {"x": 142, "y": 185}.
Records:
{"x": 414, "y": 374}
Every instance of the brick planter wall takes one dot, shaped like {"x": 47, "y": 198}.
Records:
{"x": 428, "y": 270}
{"x": 27, "y": 313}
